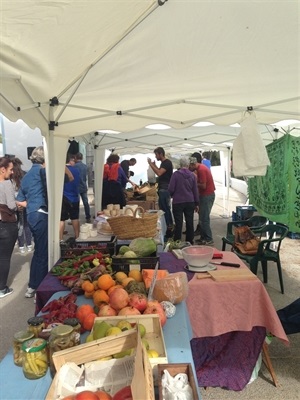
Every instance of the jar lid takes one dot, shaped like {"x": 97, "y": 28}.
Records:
{"x": 34, "y": 321}
{"x": 71, "y": 321}
{"x": 62, "y": 330}
{"x": 33, "y": 345}
{"x": 21, "y": 336}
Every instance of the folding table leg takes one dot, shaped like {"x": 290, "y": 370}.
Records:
{"x": 268, "y": 363}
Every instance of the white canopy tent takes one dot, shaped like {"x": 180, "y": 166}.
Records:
{"x": 72, "y": 68}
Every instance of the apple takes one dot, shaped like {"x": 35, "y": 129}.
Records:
{"x": 152, "y": 353}
{"x": 124, "y": 325}
{"x": 146, "y": 343}
{"x": 123, "y": 394}
{"x": 138, "y": 301}
{"x": 129, "y": 311}
{"x": 114, "y": 330}
{"x": 154, "y": 307}
{"x": 142, "y": 330}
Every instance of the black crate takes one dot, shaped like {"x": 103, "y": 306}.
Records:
{"x": 126, "y": 265}
{"x": 244, "y": 212}
{"x": 72, "y": 248}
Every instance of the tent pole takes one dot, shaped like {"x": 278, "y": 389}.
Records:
{"x": 99, "y": 156}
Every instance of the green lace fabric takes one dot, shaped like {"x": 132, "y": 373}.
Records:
{"x": 277, "y": 194}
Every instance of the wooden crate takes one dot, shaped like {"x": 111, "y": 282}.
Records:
{"x": 142, "y": 382}
{"x": 154, "y": 335}
{"x": 173, "y": 370}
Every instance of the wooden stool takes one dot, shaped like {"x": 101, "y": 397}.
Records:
{"x": 267, "y": 361}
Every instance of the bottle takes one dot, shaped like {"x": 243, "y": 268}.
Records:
{"x": 19, "y": 338}
{"x": 34, "y": 360}
{"x": 61, "y": 338}
{"x": 36, "y": 325}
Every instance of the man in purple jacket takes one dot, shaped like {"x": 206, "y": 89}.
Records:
{"x": 183, "y": 189}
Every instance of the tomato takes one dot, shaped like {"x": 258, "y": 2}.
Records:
{"x": 123, "y": 394}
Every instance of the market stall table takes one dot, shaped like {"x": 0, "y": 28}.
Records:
{"x": 177, "y": 334}
{"x": 229, "y": 321}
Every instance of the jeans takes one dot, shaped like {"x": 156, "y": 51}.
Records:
{"x": 24, "y": 234}
{"x": 205, "y": 206}
{"x": 186, "y": 210}
{"x": 8, "y": 237}
{"x": 38, "y": 223}
{"x": 164, "y": 203}
{"x": 85, "y": 201}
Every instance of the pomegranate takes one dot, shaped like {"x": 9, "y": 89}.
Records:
{"x": 107, "y": 311}
{"x": 138, "y": 301}
{"x": 129, "y": 311}
{"x": 154, "y": 307}
{"x": 118, "y": 299}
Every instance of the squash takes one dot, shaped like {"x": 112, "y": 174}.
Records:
{"x": 148, "y": 274}
{"x": 143, "y": 247}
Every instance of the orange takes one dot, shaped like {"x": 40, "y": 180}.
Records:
{"x": 103, "y": 395}
{"x": 95, "y": 283}
{"x": 120, "y": 275}
{"x": 126, "y": 281}
{"x": 86, "y": 395}
{"x": 87, "y": 286}
{"x": 88, "y": 321}
{"x": 100, "y": 296}
{"x": 89, "y": 295}
{"x": 105, "y": 282}
{"x": 136, "y": 275}
{"x": 113, "y": 288}
{"x": 83, "y": 310}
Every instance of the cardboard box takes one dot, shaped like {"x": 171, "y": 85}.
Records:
{"x": 142, "y": 382}
{"x": 154, "y": 335}
{"x": 173, "y": 370}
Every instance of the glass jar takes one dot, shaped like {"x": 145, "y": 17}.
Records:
{"x": 74, "y": 322}
{"x": 61, "y": 338}
{"x": 19, "y": 338}
{"x": 35, "y": 325}
{"x": 34, "y": 361}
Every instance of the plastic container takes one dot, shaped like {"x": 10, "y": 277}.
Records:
{"x": 36, "y": 325}
{"x": 34, "y": 360}
{"x": 61, "y": 338}
{"x": 19, "y": 338}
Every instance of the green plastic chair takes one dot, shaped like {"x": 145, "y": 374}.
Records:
{"x": 255, "y": 223}
{"x": 271, "y": 234}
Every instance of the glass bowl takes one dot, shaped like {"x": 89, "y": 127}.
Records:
{"x": 197, "y": 256}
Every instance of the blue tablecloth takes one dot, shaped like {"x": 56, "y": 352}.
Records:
{"x": 14, "y": 386}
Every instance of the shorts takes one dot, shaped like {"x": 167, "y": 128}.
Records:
{"x": 69, "y": 210}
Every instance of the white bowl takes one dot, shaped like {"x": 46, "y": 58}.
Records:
{"x": 197, "y": 256}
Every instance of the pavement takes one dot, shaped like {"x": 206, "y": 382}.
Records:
{"x": 16, "y": 309}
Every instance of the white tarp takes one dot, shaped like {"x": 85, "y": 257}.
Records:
{"x": 124, "y": 64}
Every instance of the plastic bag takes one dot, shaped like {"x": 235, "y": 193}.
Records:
{"x": 176, "y": 388}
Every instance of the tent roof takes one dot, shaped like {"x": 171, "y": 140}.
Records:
{"x": 122, "y": 65}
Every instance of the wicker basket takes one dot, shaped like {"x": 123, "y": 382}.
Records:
{"x": 131, "y": 227}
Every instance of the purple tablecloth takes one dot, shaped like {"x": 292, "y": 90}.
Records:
{"x": 47, "y": 288}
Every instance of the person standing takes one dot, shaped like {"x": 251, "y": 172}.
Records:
{"x": 184, "y": 191}
{"x": 164, "y": 173}
{"x": 8, "y": 223}
{"x": 83, "y": 189}
{"x": 114, "y": 182}
{"x": 206, "y": 189}
{"x": 32, "y": 195}
{"x": 206, "y": 161}
{"x": 70, "y": 202}
{"x": 126, "y": 164}
{"x": 24, "y": 233}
